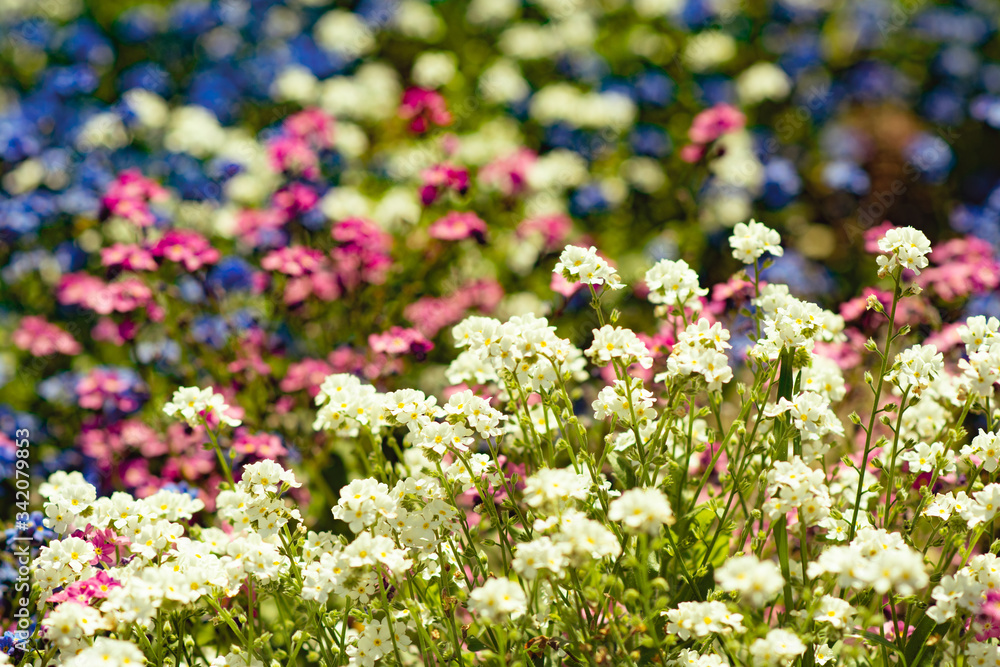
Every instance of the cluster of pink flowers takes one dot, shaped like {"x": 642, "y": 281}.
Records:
{"x": 424, "y": 109}
{"x": 961, "y": 267}
{"x": 295, "y": 149}
{"x": 41, "y": 338}
{"x": 92, "y": 293}
{"x": 431, "y": 314}
{"x": 398, "y": 340}
{"x": 98, "y": 586}
{"x": 362, "y": 254}
{"x": 708, "y": 126}
{"x": 129, "y": 197}
{"x": 107, "y": 389}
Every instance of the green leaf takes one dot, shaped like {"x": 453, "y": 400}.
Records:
{"x": 881, "y": 641}
{"x": 474, "y": 644}
{"x": 914, "y": 653}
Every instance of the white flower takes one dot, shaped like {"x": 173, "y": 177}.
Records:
{"x": 762, "y": 81}
{"x": 835, "y": 611}
{"x": 751, "y": 240}
{"x": 904, "y": 247}
{"x": 497, "y": 600}
{"x": 642, "y": 509}
{"x": 756, "y": 581}
{"x": 779, "y": 647}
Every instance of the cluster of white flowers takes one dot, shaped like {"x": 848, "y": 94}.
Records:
{"x": 904, "y": 247}
{"x": 196, "y": 406}
{"x": 812, "y": 415}
{"x": 497, "y": 600}
{"x": 875, "y": 558}
{"x": 915, "y": 368}
{"x": 981, "y": 368}
{"x": 791, "y": 323}
{"x": 755, "y": 580}
{"x": 584, "y": 265}
{"x": 526, "y": 347}
{"x": 965, "y": 590}
{"x": 615, "y": 343}
{"x": 700, "y": 350}
{"x": 751, "y": 240}
{"x": 701, "y": 619}
{"x": 794, "y": 485}
{"x": 623, "y": 400}
{"x": 778, "y": 647}
{"x": 673, "y": 283}
{"x": 982, "y": 507}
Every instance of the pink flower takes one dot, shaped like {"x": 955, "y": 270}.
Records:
{"x": 109, "y": 331}
{"x": 106, "y": 543}
{"x": 128, "y": 256}
{"x": 295, "y": 199}
{"x": 104, "y": 298}
{"x": 692, "y": 153}
{"x": 41, "y": 338}
{"x": 104, "y": 388}
{"x": 314, "y": 126}
{"x": 458, "y": 225}
{"x": 129, "y": 197}
{"x": 424, "y": 108}
{"x": 293, "y": 155}
{"x": 398, "y": 340}
{"x": 714, "y": 122}
{"x": 362, "y": 254}
{"x": 442, "y": 177}
{"x": 186, "y": 247}
{"x": 509, "y": 174}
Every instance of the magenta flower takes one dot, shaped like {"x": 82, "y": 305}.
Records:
{"x": 424, "y": 108}
{"x": 440, "y": 178}
{"x": 129, "y": 197}
{"x": 714, "y": 122}
{"x": 458, "y": 225}
{"x": 293, "y": 155}
{"x": 186, "y": 247}
{"x": 261, "y": 445}
{"x": 552, "y": 228}
{"x": 398, "y": 340}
